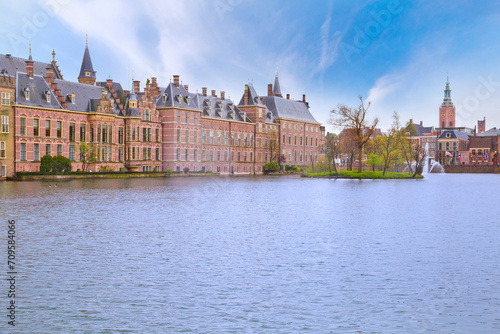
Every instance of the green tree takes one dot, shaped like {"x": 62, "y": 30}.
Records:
{"x": 46, "y": 163}
{"x": 61, "y": 164}
{"x": 374, "y": 161}
{"x": 409, "y": 145}
{"x": 271, "y": 167}
{"x": 87, "y": 155}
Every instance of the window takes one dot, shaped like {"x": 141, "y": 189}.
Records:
{"x": 211, "y": 155}
{"x": 290, "y": 139}
{"x": 3, "y": 170}
{"x": 133, "y": 133}
{"x": 23, "y": 126}
{"x": 239, "y": 156}
{"x": 36, "y": 127}
{"x": 187, "y": 117}
{"x": 232, "y": 156}
{"x": 104, "y": 153}
{"x": 239, "y": 139}
{"x": 195, "y": 135}
{"x": 195, "y": 154}
{"x": 225, "y": 156}
{"x": 218, "y": 137}
{"x": 5, "y": 124}
{"x": 59, "y": 149}
{"x": 59, "y": 129}
{"x": 27, "y": 94}
{"x": 187, "y": 154}
{"x": 104, "y": 133}
{"x": 23, "y": 151}
{"x": 150, "y": 132}
{"x": 147, "y": 115}
{"x": 178, "y": 116}
{"x": 245, "y": 139}
{"x": 232, "y": 139}
{"x": 203, "y": 155}
{"x": 295, "y": 140}
{"x": 144, "y": 134}
{"x": 203, "y": 136}
{"x": 120, "y": 136}
{"x": 178, "y": 154}
{"x": 48, "y": 149}
{"x": 187, "y": 136}
{"x": 144, "y": 153}
{"x": 211, "y": 137}
{"x": 5, "y": 99}
{"x": 72, "y": 152}
{"x": 225, "y": 138}
{"x": 157, "y": 134}
{"x": 195, "y": 118}
{"x": 2, "y": 149}
{"x": 91, "y": 134}
{"x": 71, "y": 131}
{"x": 251, "y": 156}
{"x": 218, "y": 155}
{"x": 451, "y": 124}
{"x": 245, "y": 156}
{"x": 284, "y": 138}
{"x": 178, "y": 135}
{"x": 82, "y": 131}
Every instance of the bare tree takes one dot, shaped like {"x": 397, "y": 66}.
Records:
{"x": 88, "y": 155}
{"x": 356, "y": 119}
{"x": 386, "y": 146}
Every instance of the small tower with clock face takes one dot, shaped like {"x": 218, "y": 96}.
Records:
{"x": 447, "y": 110}
{"x": 481, "y": 126}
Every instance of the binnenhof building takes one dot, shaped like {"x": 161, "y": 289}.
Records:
{"x": 152, "y": 129}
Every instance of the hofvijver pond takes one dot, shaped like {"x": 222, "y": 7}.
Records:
{"x": 256, "y": 255}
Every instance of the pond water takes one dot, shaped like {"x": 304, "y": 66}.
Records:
{"x": 255, "y": 255}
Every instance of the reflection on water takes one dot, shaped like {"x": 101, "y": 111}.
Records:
{"x": 257, "y": 255}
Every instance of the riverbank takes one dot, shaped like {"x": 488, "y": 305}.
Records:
{"x": 37, "y": 176}
{"x": 363, "y": 175}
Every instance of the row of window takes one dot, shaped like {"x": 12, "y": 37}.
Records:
{"x": 301, "y": 127}
{"x": 300, "y": 140}
{"x": 301, "y": 156}
{"x": 218, "y": 139}
{"x": 219, "y": 169}
{"x": 133, "y": 134}
{"x": 246, "y": 156}
{"x": 133, "y": 153}
{"x": 187, "y": 117}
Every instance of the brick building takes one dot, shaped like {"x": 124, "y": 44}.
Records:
{"x": 149, "y": 130}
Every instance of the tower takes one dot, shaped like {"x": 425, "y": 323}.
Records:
{"x": 277, "y": 88}
{"x": 87, "y": 73}
{"x": 447, "y": 109}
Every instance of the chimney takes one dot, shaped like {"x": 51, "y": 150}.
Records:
{"x": 223, "y": 95}
{"x": 29, "y": 68}
{"x": 421, "y": 123}
{"x": 126, "y": 92}
{"x": 186, "y": 87}
{"x": 49, "y": 76}
{"x": 270, "y": 90}
{"x": 176, "y": 80}
{"x": 109, "y": 83}
{"x": 204, "y": 91}
{"x": 288, "y": 96}
{"x": 411, "y": 120}
{"x": 137, "y": 86}
{"x": 213, "y": 93}
{"x": 153, "y": 81}
{"x": 303, "y": 97}
{"x": 245, "y": 99}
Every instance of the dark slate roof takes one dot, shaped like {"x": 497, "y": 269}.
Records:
{"x": 83, "y": 94}
{"x": 423, "y": 130}
{"x": 493, "y": 132}
{"x": 176, "y": 97}
{"x": 37, "y": 88}
{"x": 277, "y": 88}
{"x": 253, "y": 97}
{"x": 454, "y": 134}
{"x": 283, "y": 108}
{"x": 87, "y": 64}
{"x": 12, "y": 65}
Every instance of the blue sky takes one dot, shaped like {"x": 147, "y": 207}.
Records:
{"x": 396, "y": 54}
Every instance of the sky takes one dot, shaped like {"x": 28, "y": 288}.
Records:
{"x": 395, "y": 54}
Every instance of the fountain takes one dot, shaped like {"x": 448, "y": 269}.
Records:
{"x": 430, "y": 164}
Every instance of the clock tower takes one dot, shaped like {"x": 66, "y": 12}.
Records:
{"x": 447, "y": 109}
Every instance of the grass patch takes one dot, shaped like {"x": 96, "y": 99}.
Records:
{"x": 365, "y": 175}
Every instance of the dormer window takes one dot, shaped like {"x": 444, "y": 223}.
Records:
{"x": 27, "y": 94}
{"x": 132, "y": 104}
{"x": 47, "y": 96}
{"x": 87, "y": 73}
{"x": 179, "y": 98}
{"x": 448, "y": 135}
{"x": 188, "y": 100}
{"x": 165, "y": 98}
{"x": 72, "y": 98}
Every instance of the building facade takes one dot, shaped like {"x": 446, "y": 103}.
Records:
{"x": 101, "y": 126}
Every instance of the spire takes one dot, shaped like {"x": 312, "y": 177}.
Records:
{"x": 447, "y": 93}
{"x": 53, "y": 56}
{"x": 277, "y": 88}
{"x": 30, "y": 58}
{"x": 87, "y": 73}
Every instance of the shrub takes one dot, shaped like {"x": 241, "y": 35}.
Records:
{"x": 271, "y": 167}
{"x": 185, "y": 170}
{"x": 61, "y": 164}
{"x": 169, "y": 171}
{"x": 46, "y": 163}
{"x": 106, "y": 169}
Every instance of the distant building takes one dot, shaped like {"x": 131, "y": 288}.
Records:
{"x": 453, "y": 148}
{"x": 447, "y": 110}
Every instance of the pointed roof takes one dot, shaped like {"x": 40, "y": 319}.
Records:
{"x": 87, "y": 64}
{"x": 447, "y": 94}
{"x": 277, "y": 88}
